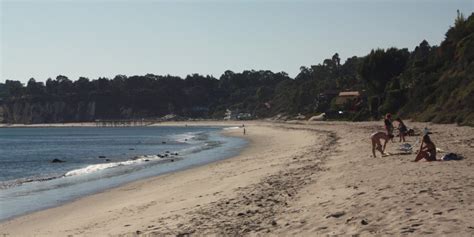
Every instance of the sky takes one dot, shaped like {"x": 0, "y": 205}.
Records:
{"x": 104, "y": 38}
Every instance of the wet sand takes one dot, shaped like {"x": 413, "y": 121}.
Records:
{"x": 294, "y": 179}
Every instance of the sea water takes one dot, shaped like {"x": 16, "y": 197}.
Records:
{"x": 95, "y": 159}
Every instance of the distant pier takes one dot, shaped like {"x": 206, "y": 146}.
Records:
{"x": 124, "y": 122}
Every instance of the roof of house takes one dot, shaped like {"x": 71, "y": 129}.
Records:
{"x": 349, "y": 93}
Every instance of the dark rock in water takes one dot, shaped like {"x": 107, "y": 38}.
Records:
{"x": 107, "y": 159}
{"x": 57, "y": 161}
{"x": 101, "y": 156}
{"x": 147, "y": 160}
{"x": 163, "y": 142}
{"x": 172, "y": 160}
{"x": 185, "y": 139}
{"x": 175, "y": 154}
{"x": 131, "y": 149}
{"x": 167, "y": 151}
{"x": 166, "y": 155}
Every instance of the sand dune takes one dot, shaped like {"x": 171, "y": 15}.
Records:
{"x": 305, "y": 179}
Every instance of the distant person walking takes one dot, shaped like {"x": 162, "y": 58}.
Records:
{"x": 377, "y": 145}
{"x": 402, "y": 129}
{"x": 388, "y": 124}
{"x": 427, "y": 149}
{"x": 245, "y": 131}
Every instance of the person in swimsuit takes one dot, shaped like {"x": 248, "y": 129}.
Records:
{"x": 402, "y": 129}
{"x": 427, "y": 150}
{"x": 388, "y": 124}
{"x": 376, "y": 144}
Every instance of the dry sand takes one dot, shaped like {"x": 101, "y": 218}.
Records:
{"x": 294, "y": 179}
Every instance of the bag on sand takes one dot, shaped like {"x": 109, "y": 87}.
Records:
{"x": 452, "y": 156}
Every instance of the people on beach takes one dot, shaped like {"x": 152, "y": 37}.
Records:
{"x": 377, "y": 145}
{"x": 402, "y": 129}
{"x": 388, "y": 124}
{"x": 427, "y": 149}
{"x": 245, "y": 131}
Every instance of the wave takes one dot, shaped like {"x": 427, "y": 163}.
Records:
{"x": 98, "y": 167}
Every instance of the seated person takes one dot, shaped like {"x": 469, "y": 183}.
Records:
{"x": 376, "y": 144}
{"x": 427, "y": 150}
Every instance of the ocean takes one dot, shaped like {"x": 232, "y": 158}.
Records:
{"x": 95, "y": 159}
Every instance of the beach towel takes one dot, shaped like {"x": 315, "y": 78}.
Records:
{"x": 406, "y": 147}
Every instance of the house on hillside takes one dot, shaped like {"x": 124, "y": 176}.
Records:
{"x": 236, "y": 115}
{"x": 231, "y": 114}
{"x": 351, "y": 100}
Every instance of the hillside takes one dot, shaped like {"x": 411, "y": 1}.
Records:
{"x": 430, "y": 83}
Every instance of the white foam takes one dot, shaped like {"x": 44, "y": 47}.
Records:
{"x": 185, "y": 137}
{"x": 98, "y": 167}
{"x": 231, "y": 128}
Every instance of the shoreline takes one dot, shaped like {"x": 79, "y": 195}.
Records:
{"x": 293, "y": 179}
{"x": 220, "y": 132}
{"x": 43, "y": 215}
{"x": 94, "y": 124}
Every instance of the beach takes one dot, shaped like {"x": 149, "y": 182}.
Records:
{"x": 294, "y": 178}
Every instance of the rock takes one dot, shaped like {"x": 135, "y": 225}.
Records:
{"x": 336, "y": 214}
{"x": 131, "y": 149}
{"x": 240, "y": 214}
{"x": 101, "y": 157}
{"x": 57, "y": 161}
{"x": 163, "y": 142}
{"x": 107, "y": 159}
{"x": 147, "y": 160}
{"x": 274, "y": 223}
{"x": 172, "y": 160}
{"x": 320, "y": 117}
{"x": 364, "y": 222}
{"x": 167, "y": 151}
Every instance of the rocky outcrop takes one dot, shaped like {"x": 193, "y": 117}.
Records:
{"x": 29, "y": 111}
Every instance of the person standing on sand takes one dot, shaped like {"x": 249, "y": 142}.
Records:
{"x": 428, "y": 151}
{"x": 388, "y": 124}
{"x": 402, "y": 129}
{"x": 377, "y": 145}
{"x": 244, "y": 131}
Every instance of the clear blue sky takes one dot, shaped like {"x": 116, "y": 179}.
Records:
{"x": 104, "y": 38}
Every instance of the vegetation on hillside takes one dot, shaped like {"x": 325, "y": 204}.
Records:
{"x": 430, "y": 83}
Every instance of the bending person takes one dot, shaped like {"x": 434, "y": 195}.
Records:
{"x": 376, "y": 144}
{"x": 427, "y": 150}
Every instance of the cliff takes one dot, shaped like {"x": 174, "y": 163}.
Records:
{"x": 28, "y": 111}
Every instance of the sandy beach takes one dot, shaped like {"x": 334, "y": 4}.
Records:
{"x": 295, "y": 178}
